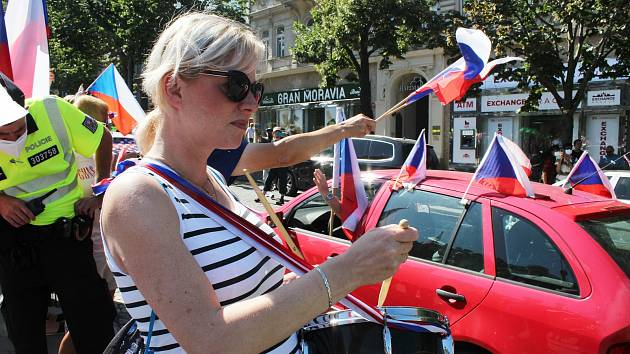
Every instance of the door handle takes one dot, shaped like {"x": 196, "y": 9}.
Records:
{"x": 332, "y": 255}
{"x": 449, "y": 295}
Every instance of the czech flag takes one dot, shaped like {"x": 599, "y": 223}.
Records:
{"x": 125, "y": 112}
{"x": 500, "y": 170}
{"x": 414, "y": 170}
{"x": 453, "y": 82}
{"x": 586, "y": 176}
{"x": 5, "y": 59}
{"x": 519, "y": 155}
{"x": 339, "y": 118}
{"x": 28, "y": 44}
{"x": 354, "y": 201}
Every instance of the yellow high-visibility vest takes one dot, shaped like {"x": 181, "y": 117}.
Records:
{"x": 56, "y": 130}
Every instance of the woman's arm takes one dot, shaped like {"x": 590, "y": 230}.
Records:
{"x": 149, "y": 247}
{"x": 300, "y": 147}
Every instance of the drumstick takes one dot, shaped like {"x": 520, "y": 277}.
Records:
{"x": 404, "y": 224}
{"x": 273, "y": 216}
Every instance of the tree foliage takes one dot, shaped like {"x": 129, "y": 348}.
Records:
{"x": 561, "y": 40}
{"x": 345, "y": 33}
{"x": 88, "y": 35}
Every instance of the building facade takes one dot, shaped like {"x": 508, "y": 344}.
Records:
{"x": 601, "y": 120}
{"x": 294, "y": 100}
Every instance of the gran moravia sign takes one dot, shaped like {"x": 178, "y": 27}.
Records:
{"x": 334, "y": 93}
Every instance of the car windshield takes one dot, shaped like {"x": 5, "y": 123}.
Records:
{"x": 613, "y": 234}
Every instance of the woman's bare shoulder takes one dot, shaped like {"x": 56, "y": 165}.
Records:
{"x": 135, "y": 202}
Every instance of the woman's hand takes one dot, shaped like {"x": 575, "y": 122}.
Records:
{"x": 319, "y": 178}
{"x": 377, "y": 254}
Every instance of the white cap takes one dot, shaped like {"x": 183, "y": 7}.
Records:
{"x": 10, "y": 111}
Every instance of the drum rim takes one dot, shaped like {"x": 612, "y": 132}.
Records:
{"x": 414, "y": 314}
{"x": 398, "y": 313}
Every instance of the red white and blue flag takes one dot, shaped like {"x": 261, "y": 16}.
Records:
{"x": 414, "y": 170}
{"x": 339, "y": 118}
{"x": 125, "y": 112}
{"x": 28, "y": 45}
{"x": 5, "y": 58}
{"x": 501, "y": 171}
{"x": 586, "y": 176}
{"x": 354, "y": 201}
{"x": 453, "y": 82}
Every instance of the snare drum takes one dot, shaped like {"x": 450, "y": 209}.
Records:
{"x": 345, "y": 332}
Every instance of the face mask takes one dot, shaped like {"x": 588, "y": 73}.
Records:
{"x": 14, "y": 148}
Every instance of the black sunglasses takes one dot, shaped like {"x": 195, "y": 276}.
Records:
{"x": 238, "y": 85}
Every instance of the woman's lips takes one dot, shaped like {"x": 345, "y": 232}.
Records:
{"x": 242, "y": 124}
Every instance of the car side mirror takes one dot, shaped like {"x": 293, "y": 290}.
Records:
{"x": 280, "y": 216}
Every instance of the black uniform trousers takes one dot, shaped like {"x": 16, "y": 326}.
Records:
{"x": 281, "y": 175}
{"x": 30, "y": 270}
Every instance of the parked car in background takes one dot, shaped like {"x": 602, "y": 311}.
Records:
{"x": 549, "y": 274}
{"x": 620, "y": 181}
{"x": 374, "y": 152}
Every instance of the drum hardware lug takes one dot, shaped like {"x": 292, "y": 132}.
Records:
{"x": 387, "y": 336}
{"x": 449, "y": 295}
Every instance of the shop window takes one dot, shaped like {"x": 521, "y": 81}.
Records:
{"x": 280, "y": 42}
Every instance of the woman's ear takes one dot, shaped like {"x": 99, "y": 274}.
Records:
{"x": 171, "y": 86}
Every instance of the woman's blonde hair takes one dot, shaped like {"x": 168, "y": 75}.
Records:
{"x": 146, "y": 131}
{"x": 195, "y": 42}
{"x": 92, "y": 106}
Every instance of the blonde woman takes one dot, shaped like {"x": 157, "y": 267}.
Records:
{"x": 211, "y": 291}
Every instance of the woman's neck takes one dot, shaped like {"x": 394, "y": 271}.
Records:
{"x": 191, "y": 165}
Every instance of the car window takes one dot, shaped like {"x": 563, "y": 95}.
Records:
{"x": 361, "y": 148}
{"x": 467, "y": 249}
{"x": 313, "y": 214}
{"x": 406, "y": 150}
{"x": 613, "y": 234}
{"x": 434, "y": 215}
{"x": 380, "y": 150}
{"x": 622, "y": 189}
{"x": 524, "y": 253}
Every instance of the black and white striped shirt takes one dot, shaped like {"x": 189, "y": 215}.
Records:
{"x": 236, "y": 270}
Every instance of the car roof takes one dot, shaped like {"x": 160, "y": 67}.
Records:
{"x": 576, "y": 205}
{"x": 622, "y": 173}
{"x": 387, "y": 138}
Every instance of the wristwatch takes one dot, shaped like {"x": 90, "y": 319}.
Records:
{"x": 329, "y": 196}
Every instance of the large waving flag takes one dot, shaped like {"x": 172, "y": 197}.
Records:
{"x": 5, "y": 58}
{"x": 354, "y": 201}
{"x": 339, "y": 117}
{"x": 124, "y": 110}
{"x": 501, "y": 171}
{"x": 414, "y": 170}
{"x": 453, "y": 82}
{"x": 28, "y": 44}
{"x": 588, "y": 177}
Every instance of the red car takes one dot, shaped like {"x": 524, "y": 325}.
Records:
{"x": 513, "y": 275}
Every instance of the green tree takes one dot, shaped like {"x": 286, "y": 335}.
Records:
{"x": 561, "y": 40}
{"x": 345, "y": 33}
{"x": 88, "y": 35}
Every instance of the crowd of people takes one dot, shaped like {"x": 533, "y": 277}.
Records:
{"x": 554, "y": 163}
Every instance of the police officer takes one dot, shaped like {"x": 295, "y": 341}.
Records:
{"x": 44, "y": 246}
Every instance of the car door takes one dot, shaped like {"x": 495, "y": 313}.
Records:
{"x": 309, "y": 224}
{"x": 446, "y": 271}
{"x": 537, "y": 303}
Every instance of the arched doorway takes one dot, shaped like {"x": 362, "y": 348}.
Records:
{"x": 412, "y": 119}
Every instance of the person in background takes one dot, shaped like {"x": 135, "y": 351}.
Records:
{"x": 576, "y": 152}
{"x": 549, "y": 157}
{"x": 176, "y": 261}
{"x": 45, "y": 244}
{"x": 319, "y": 178}
{"x": 277, "y": 175}
{"x": 250, "y": 133}
{"x": 611, "y": 161}
{"x": 565, "y": 162}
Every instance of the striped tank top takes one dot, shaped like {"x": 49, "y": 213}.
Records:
{"x": 236, "y": 270}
